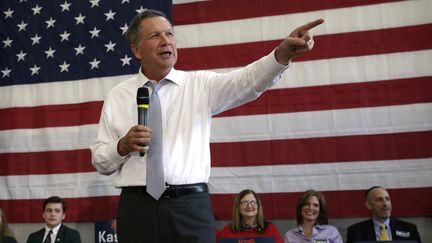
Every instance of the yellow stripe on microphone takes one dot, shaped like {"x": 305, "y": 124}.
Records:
{"x": 143, "y": 106}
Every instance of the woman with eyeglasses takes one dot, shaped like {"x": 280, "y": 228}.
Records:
{"x": 312, "y": 221}
{"x": 248, "y": 221}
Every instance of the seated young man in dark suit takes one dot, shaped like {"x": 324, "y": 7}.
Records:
{"x": 381, "y": 227}
{"x": 54, "y": 211}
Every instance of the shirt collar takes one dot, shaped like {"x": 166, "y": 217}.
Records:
{"x": 377, "y": 224}
{"x": 301, "y": 230}
{"x": 174, "y": 76}
{"x": 55, "y": 229}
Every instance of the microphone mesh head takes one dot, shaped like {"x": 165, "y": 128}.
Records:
{"x": 143, "y": 96}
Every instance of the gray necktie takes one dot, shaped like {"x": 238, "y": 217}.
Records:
{"x": 155, "y": 171}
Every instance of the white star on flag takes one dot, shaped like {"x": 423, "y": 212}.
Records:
{"x": 64, "y": 67}
{"x": 80, "y": 19}
{"x": 50, "y": 22}
{"x": 110, "y": 15}
{"x": 34, "y": 70}
{"x": 94, "y": 63}
{"x": 21, "y": 56}
{"x": 36, "y": 10}
{"x": 6, "y": 72}
{"x": 8, "y": 13}
{"x": 22, "y": 26}
{"x": 140, "y": 10}
{"x": 94, "y": 32}
{"x": 65, "y": 6}
{"x": 95, "y": 3}
{"x": 7, "y": 42}
{"x": 125, "y": 60}
{"x": 50, "y": 53}
{"x": 65, "y": 36}
{"x": 36, "y": 39}
{"x": 110, "y": 46}
{"x": 124, "y": 28}
{"x": 79, "y": 50}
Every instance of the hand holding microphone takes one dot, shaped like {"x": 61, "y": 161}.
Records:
{"x": 138, "y": 136}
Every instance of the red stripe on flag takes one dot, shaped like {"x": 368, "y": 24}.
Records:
{"x": 341, "y": 204}
{"x": 88, "y": 209}
{"x": 223, "y": 10}
{"x": 51, "y": 115}
{"x": 398, "y": 146}
{"x": 360, "y": 43}
{"x": 339, "y": 96}
{"x": 46, "y": 162}
{"x": 395, "y": 146}
{"x": 326, "y": 97}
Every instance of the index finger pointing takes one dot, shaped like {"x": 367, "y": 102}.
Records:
{"x": 310, "y": 25}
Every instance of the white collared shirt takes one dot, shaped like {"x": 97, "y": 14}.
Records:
{"x": 188, "y": 102}
{"x": 54, "y": 233}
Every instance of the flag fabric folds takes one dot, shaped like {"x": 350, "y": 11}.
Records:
{"x": 354, "y": 113}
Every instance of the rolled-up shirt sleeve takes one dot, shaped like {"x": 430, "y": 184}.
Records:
{"x": 105, "y": 157}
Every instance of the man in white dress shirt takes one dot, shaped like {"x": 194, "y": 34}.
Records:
{"x": 188, "y": 101}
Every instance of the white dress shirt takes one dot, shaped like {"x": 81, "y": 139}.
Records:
{"x": 54, "y": 233}
{"x": 188, "y": 102}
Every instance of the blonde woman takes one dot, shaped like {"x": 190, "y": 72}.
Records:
{"x": 6, "y": 235}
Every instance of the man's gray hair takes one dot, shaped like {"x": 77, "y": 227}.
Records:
{"x": 133, "y": 34}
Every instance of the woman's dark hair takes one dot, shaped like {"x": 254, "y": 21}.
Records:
{"x": 304, "y": 197}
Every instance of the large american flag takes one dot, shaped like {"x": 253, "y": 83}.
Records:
{"x": 353, "y": 113}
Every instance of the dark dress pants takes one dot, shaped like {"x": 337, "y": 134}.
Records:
{"x": 185, "y": 219}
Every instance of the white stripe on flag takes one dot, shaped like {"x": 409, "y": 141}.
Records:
{"x": 323, "y": 177}
{"x": 57, "y": 93}
{"x": 358, "y": 69}
{"x": 378, "y": 120}
{"x": 65, "y": 185}
{"x": 363, "y": 121}
{"x": 43, "y": 139}
{"x": 300, "y": 74}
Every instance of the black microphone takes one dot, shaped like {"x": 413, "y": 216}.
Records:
{"x": 143, "y": 100}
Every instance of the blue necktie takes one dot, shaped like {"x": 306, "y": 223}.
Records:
{"x": 155, "y": 167}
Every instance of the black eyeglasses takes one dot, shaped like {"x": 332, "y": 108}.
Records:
{"x": 245, "y": 203}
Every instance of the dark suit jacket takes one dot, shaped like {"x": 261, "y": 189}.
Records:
{"x": 64, "y": 235}
{"x": 9, "y": 239}
{"x": 400, "y": 230}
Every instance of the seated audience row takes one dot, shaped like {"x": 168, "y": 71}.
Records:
{"x": 249, "y": 225}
